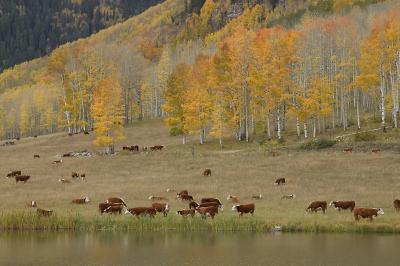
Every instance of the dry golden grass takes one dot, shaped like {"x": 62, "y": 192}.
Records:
{"x": 243, "y": 170}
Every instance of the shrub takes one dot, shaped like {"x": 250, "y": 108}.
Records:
{"x": 318, "y": 144}
{"x": 175, "y": 131}
{"x": 364, "y": 136}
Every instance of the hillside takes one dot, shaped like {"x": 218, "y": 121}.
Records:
{"x": 215, "y": 69}
{"x": 31, "y": 29}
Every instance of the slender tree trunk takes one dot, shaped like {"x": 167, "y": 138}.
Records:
{"x": 268, "y": 127}
{"x": 314, "y": 128}
{"x": 183, "y": 139}
{"x": 305, "y": 130}
{"x": 298, "y": 128}
{"x": 278, "y": 121}
{"x": 358, "y": 111}
{"x": 383, "y": 103}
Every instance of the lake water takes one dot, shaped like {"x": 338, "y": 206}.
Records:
{"x": 197, "y": 249}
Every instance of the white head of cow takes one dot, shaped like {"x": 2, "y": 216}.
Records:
{"x": 331, "y": 203}
{"x": 151, "y": 197}
{"x": 293, "y": 196}
{"x": 260, "y": 196}
{"x": 234, "y": 208}
{"x": 229, "y": 197}
{"x": 33, "y": 203}
{"x": 127, "y": 211}
{"x": 167, "y": 207}
{"x": 380, "y": 211}
{"x": 87, "y": 199}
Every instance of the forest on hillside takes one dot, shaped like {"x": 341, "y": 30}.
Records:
{"x": 226, "y": 70}
{"x": 33, "y": 28}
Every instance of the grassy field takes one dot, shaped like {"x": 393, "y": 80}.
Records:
{"x": 243, "y": 170}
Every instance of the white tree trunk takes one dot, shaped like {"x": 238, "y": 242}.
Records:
{"x": 305, "y": 131}
{"x": 314, "y": 128}
{"x": 298, "y": 127}
{"x": 183, "y": 139}
{"x": 278, "y": 120}
{"x": 268, "y": 127}
{"x": 383, "y": 100}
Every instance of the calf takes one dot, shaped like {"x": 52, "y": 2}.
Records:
{"x": 316, "y": 206}
{"x": 257, "y": 197}
{"x": 396, "y": 204}
{"x": 183, "y": 192}
{"x": 185, "y": 197}
{"x": 157, "y": 198}
{"x": 14, "y": 173}
{"x": 36, "y": 156}
{"x": 161, "y": 207}
{"x": 280, "y": 181}
{"x": 232, "y": 199}
{"x": 185, "y": 213}
{"x": 367, "y": 213}
{"x": 44, "y": 213}
{"x": 22, "y": 178}
{"x": 80, "y": 201}
{"x": 142, "y": 211}
{"x": 207, "y": 172}
{"x": 343, "y": 205}
{"x": 116, "y": 200}
{"x": 290, "y": 196}
{"x": 204, "y": 211}
{"x": 247, "y": 208}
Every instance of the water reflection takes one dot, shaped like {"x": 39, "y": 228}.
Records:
{"x": 105, "y": 248}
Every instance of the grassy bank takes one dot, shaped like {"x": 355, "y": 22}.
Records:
{"x": 27, "y": 221}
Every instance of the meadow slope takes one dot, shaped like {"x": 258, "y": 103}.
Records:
{"x": 240, "y": 169}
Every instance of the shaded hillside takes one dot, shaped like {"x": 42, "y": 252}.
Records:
{"x": 30, "y": 29}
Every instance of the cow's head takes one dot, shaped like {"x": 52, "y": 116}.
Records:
{"x": 167, "y": 207}
{"x": 332, "y": 203}
{"x": 234, "y": 207}
{"x": 151, "y": 197}
{"x": 380, "y": 211}
{"x": 87, "y": 199}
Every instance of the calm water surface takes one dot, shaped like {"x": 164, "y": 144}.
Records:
{"x": 197, "y": 249}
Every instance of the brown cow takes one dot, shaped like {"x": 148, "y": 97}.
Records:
{"x": 83, "y": 176}
{"x": 183, "y": 192}
{"x": 204, "y": 200}
{"x": 156, "y": 148}
{"x": 103, "y": 206}
{"x": 376, "y": 150}
{"x": 22, "y": 178}
{"x": 44, "y": 213}
{"x": 116, "y": 200}
{"x": 161, "y": 207}
{"x": 80, "y": 201}
{"x": 367, "y": 213}
{"x": 348, "y": 150}
{"x": 114, "y": 209}
{"x": 396, "y": 204}
{"x": 207, "y": 172}
{"x": 157, "y": 198}
{"x": 343, "y": 205}
{"x": 36, "y": 156}
{"x": 75, "y": 175}
{"x": 142, "y": 211}
{"x": 211, "y": 211}
{"x": 185, "y": 213}
{"x": 185, "y": 197}
{"x": 316, "y": 206}
{"x": 247, "y": 208}
{"x": 232, "y": 199}
{"x": 195, "y": 205}
{"x": 280, "y": 181}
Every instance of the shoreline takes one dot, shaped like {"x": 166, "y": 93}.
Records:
{"x": 29, "y": 222}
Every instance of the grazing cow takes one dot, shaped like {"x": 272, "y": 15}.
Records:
{"x": 81, "y": 201}
{"x": 232, "y": 199}
{"x": 142, "y": 211}
{"x": 316, "y": 206}
{"x": 183, "y": 192}
{"x": 343, "y": 205}
{"x": 195, "y": 205}
{"x": 207, "y": 172}
{"x": 67, "y": 155}
{"x": 161, "y": 207}
{"x": 114, "y": 209}
{"x": 103, "y": 206}
{"x": 83, "y": 176}
{"x": 64, "y": 181}
{"x": 157, "y": 198}
{"x": 185, "y": 213}
{"x": 156, "y": 148}
{"x": 36, "y": 156}
{"x": 22, "y": 178}
{"x": 205, "y": 200}
{"x": 44, "y": 213}
{"x": 280, "y": 181}
{"x": 348, "y": 150}
{"x": 31, "y": 204}
{"x": 246, "y": 208}
{"x": 396, "y": 204}
{"x": 144, "y": 148}
{"x": 367, "y": 213}
{"x": 185, "y": 197}
{"x": 290, "y": 196}
{"x": 57, "y": 162}
{"x": 376, "y": 150}
{"x": 74, "y": 175}
{"x": 14, "y": 173}
{"x": 204, "y": 211}
{"x": 116, "y": 200}
{"x": 257, "y": 197}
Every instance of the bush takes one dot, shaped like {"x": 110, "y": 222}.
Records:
{"x": 175, "y": 131}
{"x": 318, "y": 144}
{"x": 364, "y": 136}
